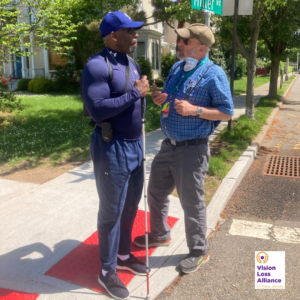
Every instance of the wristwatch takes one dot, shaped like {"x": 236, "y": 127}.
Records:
{"x": 199, "y": 111}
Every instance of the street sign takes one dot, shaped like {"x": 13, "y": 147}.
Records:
{"x": 212, "y": 5}
{"x": 224, "y": 7}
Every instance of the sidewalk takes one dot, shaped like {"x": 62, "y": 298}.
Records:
{"x": 45, "y": 222}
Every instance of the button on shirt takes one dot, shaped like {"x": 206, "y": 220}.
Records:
{"x": 212, "y": 92}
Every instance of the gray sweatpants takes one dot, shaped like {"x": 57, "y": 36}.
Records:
{"x": 183, "y": 167}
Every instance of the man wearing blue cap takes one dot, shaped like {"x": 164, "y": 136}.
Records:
{"x": 114, "y": 103}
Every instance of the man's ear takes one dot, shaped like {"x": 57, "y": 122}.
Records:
{"x": 114, "y": 36}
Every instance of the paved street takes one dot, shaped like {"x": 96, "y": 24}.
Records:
{"x": 262, "y": 215}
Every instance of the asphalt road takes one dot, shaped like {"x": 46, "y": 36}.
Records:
{"x": 262, "y": 199}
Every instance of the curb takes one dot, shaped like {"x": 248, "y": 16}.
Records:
{"x": 237, "y": 172}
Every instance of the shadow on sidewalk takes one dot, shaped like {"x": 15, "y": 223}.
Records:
{"x": 22, "y": 268}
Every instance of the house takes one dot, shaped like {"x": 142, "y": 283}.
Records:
{"x": 154, "y": 40}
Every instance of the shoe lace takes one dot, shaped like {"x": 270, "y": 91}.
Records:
{"x": 190, "y": 259}
{"x": 134, "y": 259}
{"x": 113, "y": 276}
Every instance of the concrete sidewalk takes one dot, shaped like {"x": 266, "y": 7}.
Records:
{"x": 40, "y": 224}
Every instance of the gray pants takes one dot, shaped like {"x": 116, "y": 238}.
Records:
{"x": 183, "y": 167}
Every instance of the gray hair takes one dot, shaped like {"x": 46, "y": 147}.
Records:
{"x": 207, "y": 49}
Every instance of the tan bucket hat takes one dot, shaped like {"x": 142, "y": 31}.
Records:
{"x": 199, "y": 31}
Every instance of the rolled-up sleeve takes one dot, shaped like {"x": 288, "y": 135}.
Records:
{"x": 220, "y": 94}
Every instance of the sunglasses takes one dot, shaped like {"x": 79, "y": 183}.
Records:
{"x": 129, "y": 30}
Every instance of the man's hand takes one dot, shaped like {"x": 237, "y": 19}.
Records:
{"x": 185, "y": 108}
{"x": 158, "y": 97}
{"x": 142, "y": 85}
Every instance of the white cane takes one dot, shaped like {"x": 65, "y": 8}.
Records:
{"x": 145, "y": 193}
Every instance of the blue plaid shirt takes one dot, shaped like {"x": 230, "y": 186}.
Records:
{"x": 213, "y": 91}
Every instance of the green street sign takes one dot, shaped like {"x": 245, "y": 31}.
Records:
{"x": 216, "y": 6}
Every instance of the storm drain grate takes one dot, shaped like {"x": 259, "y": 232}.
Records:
{"x": 284, "y": 166}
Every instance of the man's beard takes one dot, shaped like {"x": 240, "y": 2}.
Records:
{"x": 132, "y": 48}
{"x": 180, "y": 56}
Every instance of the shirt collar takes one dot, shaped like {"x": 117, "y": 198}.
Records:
{"x": 119, "y": 56}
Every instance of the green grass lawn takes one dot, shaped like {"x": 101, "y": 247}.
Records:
{"x": 240, "y": 86}
{"x": 52, "y": 126}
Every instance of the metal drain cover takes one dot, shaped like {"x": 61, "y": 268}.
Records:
{"x": 284, "y": 166}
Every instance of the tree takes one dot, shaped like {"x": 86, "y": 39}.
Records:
{"x": 247, "y": 38}
{"x": 279, "y": 30}
{"x": 53, "y": 24}
{"x": 46, "y": 20}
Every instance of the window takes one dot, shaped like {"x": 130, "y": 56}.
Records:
{"x": 141, "y": 50}
{"x": 155, "y": 55}
{"x": 140, "y": 5}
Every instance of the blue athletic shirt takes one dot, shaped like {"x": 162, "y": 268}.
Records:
{"x": 213, "y": 91}
{"x": 104, "y": 99}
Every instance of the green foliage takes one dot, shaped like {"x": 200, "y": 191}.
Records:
{"x": 168, "y": 11}
{"x": 240, "y": 67}
{"x": 49, "y": 21}
{"x": 3, "y": 84}
{"x": 53, "y": 23}
{"x": 23, "y": 84}
{"x": 39, "y": 85}
{"x": 9, "y": 102}
{"x": 167, "y": 61}
{"x": 260, "y": 63}
{"x": 159, "y": 82}
{"x": 65, "y": 78}
{"x": 146, "y": 68}
{"x": 88, "y": 42}
{"x": 218, "y": 57}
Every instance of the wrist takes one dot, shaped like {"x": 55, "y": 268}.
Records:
{"x": 199, "y": 111}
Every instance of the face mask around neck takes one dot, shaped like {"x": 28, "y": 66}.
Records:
{"x": 190, "y": 64}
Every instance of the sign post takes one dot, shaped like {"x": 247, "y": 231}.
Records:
{"x": 236, "y": 8}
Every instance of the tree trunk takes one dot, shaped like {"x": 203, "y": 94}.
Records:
{"x": 251, "y": 70}
{"x": 251, "y": 60}
{"x": 274, "y": 78}
{"x": 179, "y": 25}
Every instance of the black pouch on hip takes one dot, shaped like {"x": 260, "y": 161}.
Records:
{"x": 107, "y": 133}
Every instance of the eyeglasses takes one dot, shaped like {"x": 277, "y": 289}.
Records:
{"x": 186, "y": 42}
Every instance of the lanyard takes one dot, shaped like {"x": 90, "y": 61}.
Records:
{"x": 177, "y": 85}
{"x": 165, "y": 108}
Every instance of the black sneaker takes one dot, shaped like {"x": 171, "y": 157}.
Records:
{"x": 114, "y": 286}
{"x": 192, "y": 263}
{"x": 140, "y": 241}
{"x": 133, "y": 265}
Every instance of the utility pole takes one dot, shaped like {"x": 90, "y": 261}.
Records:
{"x": 287, "y": 69}
{"x": 207, "y": 18}
{"x": 297, "y": 61}
{"x": 236, "y": 9}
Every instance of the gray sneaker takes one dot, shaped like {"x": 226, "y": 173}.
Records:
{"x": 192, "y": 263}
{"x": 114, "y": 286}
{"x": 140, "y": 241}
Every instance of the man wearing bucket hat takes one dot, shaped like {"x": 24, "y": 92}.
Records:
{"x": 195, "y": 96}
{"x": 114, "y": 103}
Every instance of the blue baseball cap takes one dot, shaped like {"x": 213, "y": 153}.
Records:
{"x": 117, "y": 20}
